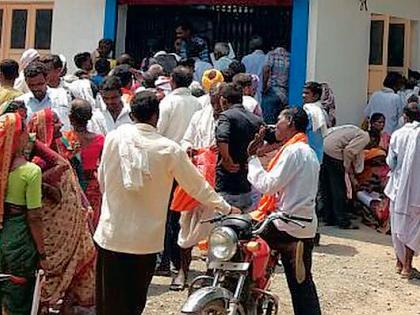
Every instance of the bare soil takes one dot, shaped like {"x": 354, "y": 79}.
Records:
{"x": 354, "y": 272}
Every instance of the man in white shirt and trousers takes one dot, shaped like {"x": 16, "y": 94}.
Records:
{"x": 404, "y": 192}
{"x": 293, "y": 181}
{"x": 176, "y": 112}
{"x": 136, "y": 176}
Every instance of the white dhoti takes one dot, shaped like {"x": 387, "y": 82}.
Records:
{"x": 405, "y": 232}
{"x": 192, "y": 231}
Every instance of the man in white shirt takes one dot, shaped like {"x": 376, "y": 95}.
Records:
{"x": 293, "y": 181}
{"x": 115, "y": 113}
{"x": 41, "y": 96}
{"x": 403, "y": 191}
{"x": 176, "y": 111}
{"x": 177, "y": 108}
{"x": 136, "y": 175}
{"x": 199, "y": 135}
{"x": 201, "y": 130}
{"x": 387, "y": 102}
{"x": 244, "y": 80}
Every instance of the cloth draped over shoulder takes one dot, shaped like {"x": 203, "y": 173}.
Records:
{"x": 268, "y": 203}
{"x": 42, "y": 123}
{"x": 10, "y": 129}
{"x": 407, "y": 196}
{"x": 318, "y": 117}
{"x": 205, "y": 160}
{"x": 135, "y": 165}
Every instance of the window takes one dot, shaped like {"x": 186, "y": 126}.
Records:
{"x": 43, "y": 26}
{"x": 18, "y": 31}
{"x": 396, "y": 45}
{"x": 376, "y": 42}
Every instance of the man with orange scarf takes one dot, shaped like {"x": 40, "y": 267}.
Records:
{"x": 290, "y": 186}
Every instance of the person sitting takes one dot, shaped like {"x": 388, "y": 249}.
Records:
{"x": 370, "y": 197}
{"x": 377, "y": 124}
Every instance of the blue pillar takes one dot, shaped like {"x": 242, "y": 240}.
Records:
{"x": 299, "y": 48}
{"x": 110, "y": 24}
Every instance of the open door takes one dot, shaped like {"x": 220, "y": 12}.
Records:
{"x": 390, "y": 48}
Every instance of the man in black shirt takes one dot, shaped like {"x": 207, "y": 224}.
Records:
{"x": 235, "y": 130}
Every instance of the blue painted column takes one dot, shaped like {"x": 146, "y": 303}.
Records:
{"x": 110, "y": 23}
{"x": 299, "y": 48}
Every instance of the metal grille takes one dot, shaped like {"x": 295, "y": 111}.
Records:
{"x": 235, "y": 24}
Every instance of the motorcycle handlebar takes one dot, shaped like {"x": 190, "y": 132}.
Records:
{"x": 286, "y": 218}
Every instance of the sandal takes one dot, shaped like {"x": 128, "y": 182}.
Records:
{"x": 414, "y": 274}
{"x": 177, "y": 284}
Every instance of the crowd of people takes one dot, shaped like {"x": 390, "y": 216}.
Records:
{"x": 106, "y": 174}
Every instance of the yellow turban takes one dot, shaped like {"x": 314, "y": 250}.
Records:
{"x": 211, "y": 78}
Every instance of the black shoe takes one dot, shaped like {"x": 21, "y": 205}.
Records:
{"x": 350, "y": 226}
{"x": 163, "y": 271}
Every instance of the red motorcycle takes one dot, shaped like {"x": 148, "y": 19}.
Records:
{"x": 240, "y": 269}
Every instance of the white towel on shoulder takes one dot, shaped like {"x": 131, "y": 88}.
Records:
{"x": 134, "y": 158}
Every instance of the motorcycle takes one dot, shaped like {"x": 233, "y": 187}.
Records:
{"x": 240, "y": 269}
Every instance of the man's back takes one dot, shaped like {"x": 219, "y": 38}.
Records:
{"x": 133, "y": 221}
{"x": 176, "y": 111}
{"x": 236, "y": 127}
{"x": 387, "y": 103}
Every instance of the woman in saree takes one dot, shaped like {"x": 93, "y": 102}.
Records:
{"x": 370, "y": 187}
{"x": 377, "y": 124}
{"x": 84, "y": 148}
{"x": 68, "y": 243}
{"x": 21, "y": 237}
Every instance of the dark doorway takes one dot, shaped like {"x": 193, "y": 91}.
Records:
{"x": 228, "y": 23}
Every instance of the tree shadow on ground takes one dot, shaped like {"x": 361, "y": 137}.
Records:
{"x": 364, "y": 234}
{"x": 337, "y": 250}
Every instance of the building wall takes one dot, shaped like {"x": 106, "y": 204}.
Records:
{"x": 77, "y": 26}
{"x": 338, "y": 48}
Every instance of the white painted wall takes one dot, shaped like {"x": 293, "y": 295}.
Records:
{"x": 338, "y": 49}
{"x": 77, "y": 27}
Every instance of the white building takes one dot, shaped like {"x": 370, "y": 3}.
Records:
{"x": 330, "y": 40}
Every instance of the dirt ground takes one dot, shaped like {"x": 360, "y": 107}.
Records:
{"x": 354, "y": 273}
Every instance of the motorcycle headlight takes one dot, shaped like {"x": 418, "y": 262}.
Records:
{"x": 223, "y": 243}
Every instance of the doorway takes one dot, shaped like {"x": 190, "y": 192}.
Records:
{"x": 229, "y": 23}
{"x": 23, "y": 26}
{"x": 390, "y": 49}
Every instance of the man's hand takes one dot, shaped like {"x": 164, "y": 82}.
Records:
{"x": 229, "y": 165}
{"x": 235, "y": 210}
{"x": 258, "y": 142}
{"x": 191, "y": 152}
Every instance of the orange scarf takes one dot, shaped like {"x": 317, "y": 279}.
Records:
{"x": 268, "y": 203}
{"x": 42, "y": 123}
{"x": 10, "y": 129}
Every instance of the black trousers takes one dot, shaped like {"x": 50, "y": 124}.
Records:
{"x": 296, "y": 257}
{"x": 172, "y": 251}
{"x": 122, "y": 282}
{"x": 332, "y": 192}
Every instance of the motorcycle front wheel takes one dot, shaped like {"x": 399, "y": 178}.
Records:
{"x": 215, "y": 308}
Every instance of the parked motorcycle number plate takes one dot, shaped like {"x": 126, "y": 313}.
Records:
{"x": 229, "y": 266}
